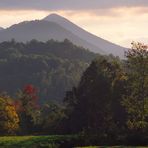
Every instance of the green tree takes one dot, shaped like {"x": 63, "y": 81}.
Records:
{"x": 52, "y": 115}
{"x": 94, "y": 106}
{"x": 136, "y": 99}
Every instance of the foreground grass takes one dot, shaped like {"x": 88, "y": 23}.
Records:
{"x": 37, "y": 141}
{"x": 54, "y": 141}
{"x": 114, "y": 147}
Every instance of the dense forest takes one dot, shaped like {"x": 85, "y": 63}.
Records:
{"x": 108, "y": 106}
{"x": 53, "y": 67}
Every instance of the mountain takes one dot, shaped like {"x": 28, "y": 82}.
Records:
{"x": 102, "y": 44}
{"x": 58, "y": 28}
{"x": 43, "y": 30}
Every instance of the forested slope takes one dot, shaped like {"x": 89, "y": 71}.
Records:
{"x": 53, "y": 67}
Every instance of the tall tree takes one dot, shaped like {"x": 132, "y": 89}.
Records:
{"x": 93, "y": 104}
{"x": 136, "y": 99}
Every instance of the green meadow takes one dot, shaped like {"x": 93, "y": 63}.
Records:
{"x": 54, "y": 141}
{"x": 36, "y": 141}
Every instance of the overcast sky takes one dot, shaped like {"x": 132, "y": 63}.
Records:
{"x": 69, "y": 4}
{"x": 119, "y": 21}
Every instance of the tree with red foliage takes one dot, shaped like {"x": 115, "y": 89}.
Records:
{"x": 29, "y": 108}
{"x": 29, "y": 97}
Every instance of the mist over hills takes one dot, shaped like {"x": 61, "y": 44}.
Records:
{"x": 58, "y": 28}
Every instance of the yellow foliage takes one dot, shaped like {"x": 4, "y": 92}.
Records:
{"x": 9, "y": 120}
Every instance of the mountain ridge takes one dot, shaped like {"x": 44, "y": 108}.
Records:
{"x": 42, "y": 30}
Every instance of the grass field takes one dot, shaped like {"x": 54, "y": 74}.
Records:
{"x": 37, "y": 141}
{"x": 46, "y": 142}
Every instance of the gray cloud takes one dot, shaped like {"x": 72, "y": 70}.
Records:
{"x": 68, "y": 4}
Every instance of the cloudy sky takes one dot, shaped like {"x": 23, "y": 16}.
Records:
{"x": 119, "y": 21}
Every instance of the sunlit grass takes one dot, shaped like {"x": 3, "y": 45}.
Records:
{"x": 33, "y": 141}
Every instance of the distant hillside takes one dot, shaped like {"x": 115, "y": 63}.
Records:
{"x": 54, "y": 67}
{"x": 42, "y": 31}
{"x": 106, "y": 46}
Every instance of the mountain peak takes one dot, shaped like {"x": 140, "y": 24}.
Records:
{"x": 53, "y": 16}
